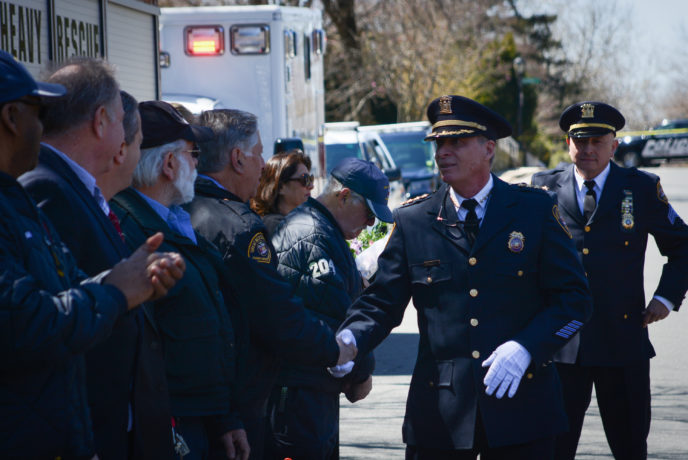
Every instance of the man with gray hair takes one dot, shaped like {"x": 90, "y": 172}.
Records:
{"x": 201, "y": 325}
{"x": 315, "y": 258}
{"x": 230, "y": 167}
{"x": 83, "y": 134}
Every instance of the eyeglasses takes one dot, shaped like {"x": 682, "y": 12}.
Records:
{"x": 194, "y": 153}
{"x": 304, "y": 179}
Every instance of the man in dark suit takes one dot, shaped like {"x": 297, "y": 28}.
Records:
{"x": 610, "y": 212}
{"x": 494, "y": 276}
{"x": 83, "y": 132}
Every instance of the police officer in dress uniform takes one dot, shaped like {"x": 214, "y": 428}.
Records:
{"x": 494, "y": 276}
{"x": 610, "y": 211}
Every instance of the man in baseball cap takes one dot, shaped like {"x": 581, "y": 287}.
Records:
{"x": 17, "y": 87}
{"x": 366, "y": 179}
{"x": 315, "y": 259}
{"x": 16, "y": 82}
{"x": 162, "y": 123}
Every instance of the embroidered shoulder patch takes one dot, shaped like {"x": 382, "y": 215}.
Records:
{"x": 259, "y": 250}
{"x": 555, "y": 212}
{"x": 660, "y": 194}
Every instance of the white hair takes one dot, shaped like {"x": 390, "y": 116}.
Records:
{"x": 333, "y": 187}
{"x": 149, "y": 167}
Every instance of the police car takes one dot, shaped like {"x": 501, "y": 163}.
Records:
{"x": 667, "y": 141}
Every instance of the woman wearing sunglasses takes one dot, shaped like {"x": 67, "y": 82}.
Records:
{"x": 285, "y": 184}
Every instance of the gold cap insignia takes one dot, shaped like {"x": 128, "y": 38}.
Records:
{"x": 587, "y": 111}
{"x": 516, "y": 242}
{"x": 445, "y": 105}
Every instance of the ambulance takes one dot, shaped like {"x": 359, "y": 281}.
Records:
{"x": 265, "y": 59}
{"x": 41, "y": 34}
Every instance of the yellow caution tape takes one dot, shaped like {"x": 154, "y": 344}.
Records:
{"x": 652, "y": 132}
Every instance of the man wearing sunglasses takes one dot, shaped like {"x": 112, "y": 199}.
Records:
{"x": 315, "y": 258}
{"x": 281, "y": 329}
{"x": 498, "y": 289}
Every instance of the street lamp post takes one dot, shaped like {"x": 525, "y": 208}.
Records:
{"x": 519, "y": 71}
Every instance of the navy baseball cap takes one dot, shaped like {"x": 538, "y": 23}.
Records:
{"x": 591, "y": 119}
{"x": 366, "y": 179}
{"x": 458, "y": 116}
{"x": 161, "y": 124}
{"x": 16, "y": 82}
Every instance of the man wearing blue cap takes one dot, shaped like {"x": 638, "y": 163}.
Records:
{"x": 611, "y": 211}
{"x": 49, "y": 312}
{"x": 315, "y": 258}
{"x": 494, "y": 276}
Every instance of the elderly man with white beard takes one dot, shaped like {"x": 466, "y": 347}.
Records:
{"x": 201, "y": 325}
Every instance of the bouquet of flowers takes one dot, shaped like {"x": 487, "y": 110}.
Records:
{"x": 368, "y": 246}
{"x": 368, "y": 237}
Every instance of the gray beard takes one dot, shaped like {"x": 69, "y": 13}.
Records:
{"x": 184, "y": 185}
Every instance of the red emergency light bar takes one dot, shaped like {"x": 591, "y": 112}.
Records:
{"x": 205, "y": 40}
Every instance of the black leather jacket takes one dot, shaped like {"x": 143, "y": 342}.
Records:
{"x": 279, "y": 325}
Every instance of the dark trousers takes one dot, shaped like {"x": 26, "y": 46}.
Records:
{"x": 540, "y": 449}
{"x": 623, "y": 396}
{"x": 195, "y": 433}
{"x": 304, "y": 424}
{"x": 255, "y": 426}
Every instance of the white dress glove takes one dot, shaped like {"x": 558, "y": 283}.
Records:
{"x": 507, "y": 365}
{"x": 339, "y": 371}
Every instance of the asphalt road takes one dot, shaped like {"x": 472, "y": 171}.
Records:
{"x": 371, "y": 429}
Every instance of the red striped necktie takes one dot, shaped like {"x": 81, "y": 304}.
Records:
{"x": 115, "y": 222}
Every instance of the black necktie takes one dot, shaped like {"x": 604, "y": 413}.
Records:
{"x": 590, "y": 199}
{"x": 470, "y": 225}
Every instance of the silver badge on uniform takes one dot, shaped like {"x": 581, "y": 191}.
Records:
{"x": 627, "y": 221}
{"x": 516, "y": 242}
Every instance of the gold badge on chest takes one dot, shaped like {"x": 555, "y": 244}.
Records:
{"x": 627, "y": 221}
{"x": 516, "y": 242}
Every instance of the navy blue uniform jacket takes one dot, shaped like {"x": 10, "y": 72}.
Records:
{"x": 471, "y": 300}
{"x": 49, "y": 314}
{"x": 124, "y": 368}
{"x": 614, "y": 257}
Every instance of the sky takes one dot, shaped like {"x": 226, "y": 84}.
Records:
{"x": 652, "y": 50}
{"x": 658, "y": 25}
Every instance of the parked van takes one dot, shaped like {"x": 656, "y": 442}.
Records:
{"x": 411, "y": 153}
{"x": 343, "y": 140}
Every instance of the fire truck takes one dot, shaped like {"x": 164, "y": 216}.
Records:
{"x": 266, "y": 60}
{"x": 42, "y": 33}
